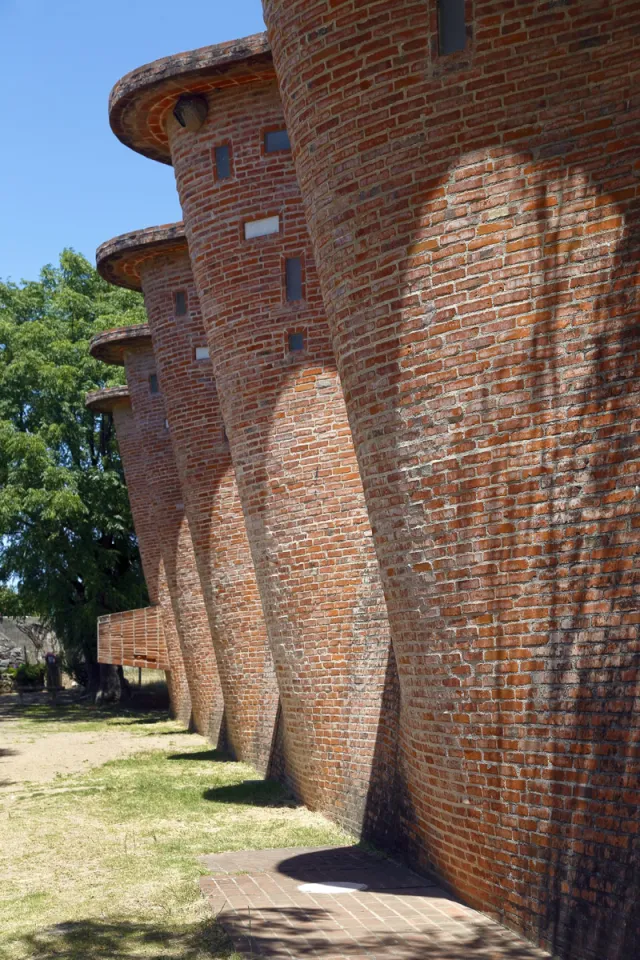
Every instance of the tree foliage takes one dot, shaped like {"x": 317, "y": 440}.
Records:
{"x": 67, "y": 549}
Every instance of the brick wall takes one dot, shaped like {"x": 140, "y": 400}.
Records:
{"x": 476, "y": 223}
{"x": 133, "y": 345}
{"x": 157, "y": 261}
{"x": 134, "y": 638}
{"x": 284, "y": 415}
{"x": 116, "y": 401}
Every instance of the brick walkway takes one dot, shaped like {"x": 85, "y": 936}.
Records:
{"x": 400, "y": 916}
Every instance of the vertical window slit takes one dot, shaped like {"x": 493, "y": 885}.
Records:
{"x": 452, "y": 28}
{"x": 223, "y": 162}
{"x": 293, "y": 278}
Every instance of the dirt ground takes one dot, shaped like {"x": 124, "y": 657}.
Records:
{"x": 41, "y": 755}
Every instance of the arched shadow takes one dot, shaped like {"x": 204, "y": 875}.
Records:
{"x": 497, "y": 324}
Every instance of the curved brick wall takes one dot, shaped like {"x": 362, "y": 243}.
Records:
{"x": 157, "y": 261}
{"x": 476, "y": 220}
{"x": 116, "y": 400}
{"x": 284, "y": 414}
{"x": 132, "y": 345}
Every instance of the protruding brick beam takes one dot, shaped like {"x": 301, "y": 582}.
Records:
{"x": 132, "y": 348}
{"x": 156, "y": 261}
{"x": 133, "y": 638}
{"x": 281, "y": 400}
{"x": 117, "y": 402}
{"x": 476, "y": 220}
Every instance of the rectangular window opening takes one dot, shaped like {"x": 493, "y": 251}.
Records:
{"x": 276, "y": 140}
{"x": 296, "y": 342}
{"x": 293, "y": 278}
{"x": 153, "y": 383}
{"x": 223, "y": 162}
{"x": 180, "y": 300}
{"x": 223, "y": 435}
{"x": 452, "y": 28}
{"x": 202, "y": 353}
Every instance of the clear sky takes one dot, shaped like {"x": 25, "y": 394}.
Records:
{"x": 65, "y": 181}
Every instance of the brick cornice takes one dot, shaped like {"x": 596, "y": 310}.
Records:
{"x": 119, "y": 260}
{"x": 103, "y": 401}
{"x": 141, "y": 102}
{"x": 111, "y": 345}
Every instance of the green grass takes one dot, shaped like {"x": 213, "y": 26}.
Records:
{"x": 104, "y": 865}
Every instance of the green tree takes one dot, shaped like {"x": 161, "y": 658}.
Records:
{"x": 67, "y": 549}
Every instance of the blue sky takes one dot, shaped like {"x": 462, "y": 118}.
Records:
{"x": 64, "y": 178}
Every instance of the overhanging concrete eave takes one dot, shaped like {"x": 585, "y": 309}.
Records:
{"x": 110, "y": 345}
{"x": 120, "y": 259}
{"x": 141, "y": 101}
{"x": 103, "y": 401}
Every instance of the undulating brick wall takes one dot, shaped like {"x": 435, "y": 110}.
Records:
{"x": 476, "y": 223}
{"x": 132, "y": 346}
{"x": 156, "y": 261}
{"x": 283, "y": 411}
{"x": 134, "y": 638}
{"x": 116, "y": 401}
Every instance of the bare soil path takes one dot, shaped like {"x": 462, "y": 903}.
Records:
{"x": 38, "y": 753}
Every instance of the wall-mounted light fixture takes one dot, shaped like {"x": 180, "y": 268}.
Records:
{"x": 191, "y": 112}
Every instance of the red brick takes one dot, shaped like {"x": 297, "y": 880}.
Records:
{"x": 116, "y": 401}
{"x": 156, "y": 261}
{"x": 132, "y": 347}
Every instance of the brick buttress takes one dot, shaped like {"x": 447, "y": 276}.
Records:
{"x": 117, "y": 402}
{"x": 471, "y": 178}
{"x": 281, "y": 401}
{"x": 156, "y": 261}
{"x": 131, "y": 347}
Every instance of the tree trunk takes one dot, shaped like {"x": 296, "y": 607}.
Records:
{"x": 113, "y": 686}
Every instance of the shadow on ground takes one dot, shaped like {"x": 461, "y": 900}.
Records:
{"x": 73, "y": 707}
{"x": 254, "y": 793}
{"x": 211, "y": 756}
{"x": 123, "y": 940}
{"x": 292, "y": 932}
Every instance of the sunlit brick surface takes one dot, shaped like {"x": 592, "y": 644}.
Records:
{"x": 476, "y": 224}
{"x": 134, "y": 638}
{"x": 155, "y": 456}
{"x": 157, "y": 261}
{"x": 284, "y": 414}
{"x": 116, "y": 400}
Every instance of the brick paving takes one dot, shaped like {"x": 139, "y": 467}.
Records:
{"x": 400, "y": 916}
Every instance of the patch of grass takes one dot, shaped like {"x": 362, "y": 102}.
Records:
{"x": 107, "y": 866}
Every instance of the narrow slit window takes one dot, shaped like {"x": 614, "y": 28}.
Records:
{"x": 223, "y": 162}
{"x": 293, "y": 278}
{"x": 180, "y": 300}
{"x": 452, "y": 28}
{"x": 223, "y": 435}
{"x": 276, "y": 140}
{"x": 202, "y": 353}
{"x": 153, "y": 383}
{"x": 296, "y": 342}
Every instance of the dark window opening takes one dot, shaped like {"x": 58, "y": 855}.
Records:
{"x": 153, "y": 384}
{"x": 180, "y": 303}
{"x": 296, "y": 342}
{"x": 452, "y": 28}
{"x": 223, "y": 435}
{"x": 293, "y": 278}
{"x": 276, "y": 140}
{"x": 223, "y": 162}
